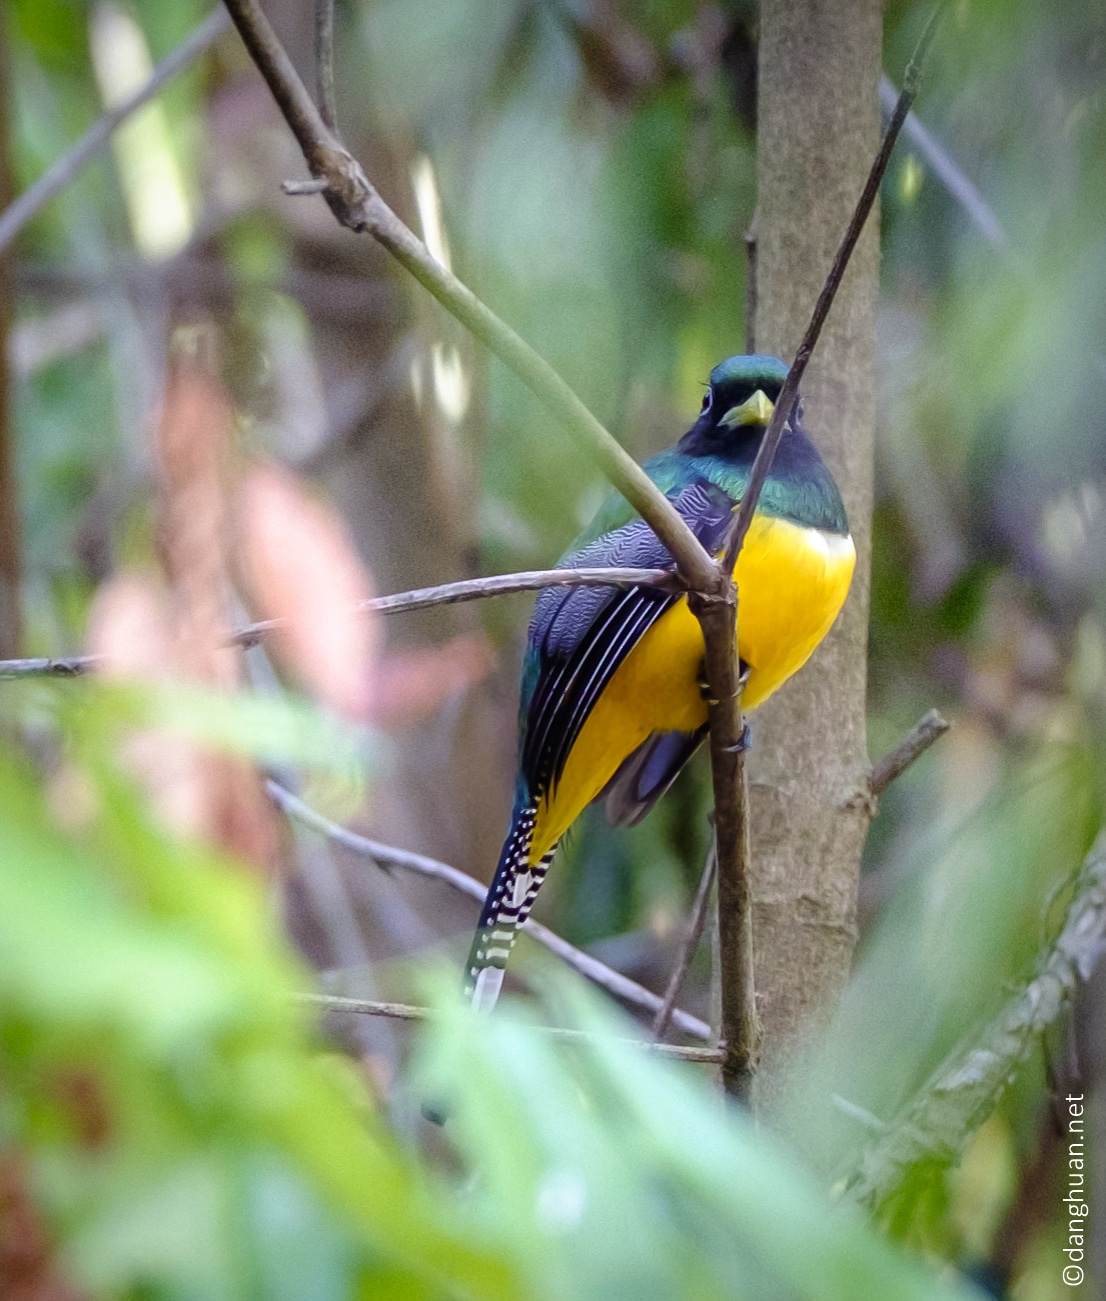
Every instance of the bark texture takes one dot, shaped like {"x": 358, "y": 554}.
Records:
{"x": 818, "y": 125}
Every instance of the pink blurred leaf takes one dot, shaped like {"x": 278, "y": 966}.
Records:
{"x": 131, "y": 627}
{"x": 213, "y": 796}
{"x": 300, "y": 567}
{"x": 412, "y": 683}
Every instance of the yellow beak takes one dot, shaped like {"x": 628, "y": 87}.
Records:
{"x": 756, "y": 410}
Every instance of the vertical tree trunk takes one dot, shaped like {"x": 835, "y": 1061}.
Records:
{"x": 818, "y": 127}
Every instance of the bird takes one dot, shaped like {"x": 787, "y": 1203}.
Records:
{"x": 613, "y": 700}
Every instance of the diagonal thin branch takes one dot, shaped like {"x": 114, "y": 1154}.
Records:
{"x": 386, "y": 856}
{"x": 356, "y": 204}
{"x": 947, "y": 171}
{"x": 406, "y": 1012}
{"x": 57, "y": 177}
{"x": 938, "y": 1123}
{"x": 50, "y": 666}
{"x": 789, "y": 393}
{"x": 689, "y": 944}
{"x": 471, "y": 589}
{"x": 324, "y": 62}
{"x": 931, "y": 727}
{"x": 875, "y": 886}
{"x": 421, "y": 598}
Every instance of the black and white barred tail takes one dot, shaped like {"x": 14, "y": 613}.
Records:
{"x": 510, "y": 897}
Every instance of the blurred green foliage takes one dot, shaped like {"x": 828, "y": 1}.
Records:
{"x": 183, "y": 1130}
{"x": 188, "y": 1137}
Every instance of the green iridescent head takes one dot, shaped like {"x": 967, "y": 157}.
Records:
{"x": 743, "y": 390}
{"x": 739, "y": 400}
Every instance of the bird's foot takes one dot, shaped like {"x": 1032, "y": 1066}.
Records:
{"x": 743, "y": 741}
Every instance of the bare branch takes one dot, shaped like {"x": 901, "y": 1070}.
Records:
{"x": 56, "y": 178}
{"x": 365, "y": 1007}
{"x": 55, "y": 666}
{"x": 324, "y": 62}
{"x": 688, "y": 946}
{"x": 947, "y": 171}
{"x": 740, "y": 1024}
{"x": 356, "y": 204}
{"x": 405, "y": 1012}
{"x": 296, "y": 188}
{"x": 917, "y": 741}
{"x": 939, "y": 1122}
{"x": 472, "y": 589}
{"x": 386, "y": 856}
{"x": 469, "y": 589}
{"x": 784, "y": 406}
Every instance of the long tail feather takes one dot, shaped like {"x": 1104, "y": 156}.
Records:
{"x": 510, "y": 897}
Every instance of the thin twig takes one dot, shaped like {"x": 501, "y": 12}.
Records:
{"x": 356, "y": 204}
{"x": 366, "y": 1007}
{"x": 947, "y": 171}
{"x": 54, "y": 666}
{"x": 472, "y": 589}
{"x": 937, "y": 1124}
{"x": 296, "y": 188}
{"x": 324, "y": 62}
{"x": 405, "y": 1012}
{"x": 422, "y": 598}
{"x": 789, "y": 393}
{"x": 688, "y": 946}
{"x": 57, "y": 177}
{"x": 916, "y": 742}
{"x": 386, "y": 856}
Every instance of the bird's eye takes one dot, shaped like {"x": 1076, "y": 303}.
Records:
{"x": 706, "y": 402}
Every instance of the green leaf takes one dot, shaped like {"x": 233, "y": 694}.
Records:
{"x": 166, "y": 1087}
{"x": 270, "y": 728}
{"x": 610, "y": 1172}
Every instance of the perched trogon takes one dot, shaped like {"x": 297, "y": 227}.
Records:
{"x": 613, "y": 701}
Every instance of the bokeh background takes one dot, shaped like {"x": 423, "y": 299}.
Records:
{"x": 588, "y": 168}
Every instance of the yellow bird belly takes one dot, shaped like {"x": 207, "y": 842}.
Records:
{"x": 791, "y": 582}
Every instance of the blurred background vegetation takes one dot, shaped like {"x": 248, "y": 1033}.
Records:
{"x": 171, "y": 1125}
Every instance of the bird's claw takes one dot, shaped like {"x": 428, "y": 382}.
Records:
{"x": 743, "y": 741}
